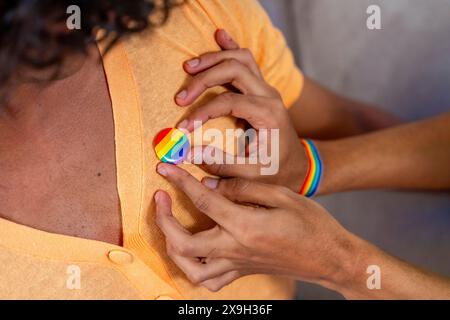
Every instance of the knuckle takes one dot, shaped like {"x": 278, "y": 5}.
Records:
{"x": 195, "y": 276}
{"x": 184, "y": 174}
{"x": 210, "y": 57}
{"x": 252, "y": 238}
{"x": 219, "y": 170}
{"x": 243, "y": 228}
{"x": 276, "y": 103}
{"x": 254, "y": 101}
{"x": 232, "y": 64}
{"x": 170, "y": 249}
{"x": 277, "y": 109}
{"x": 275, "y": 94}
{"x": 247, "y": 53}
{"x": 181, "y": 248}
{"x": 238, "y": 185}
{"x": 283, "y": 191}
{"x": 267, "y": 113}
{"x": 250, "y": 234}
{"x": 216, "y": 230}
{"x": 201, "y": 80}
{"x": 228, "y": 97}
{"x": 202, "y": 202}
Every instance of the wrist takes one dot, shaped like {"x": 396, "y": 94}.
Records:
{"x": 296, "y": 168}
{"x": 348, "y": 254}
{"x": 355, "y": 256}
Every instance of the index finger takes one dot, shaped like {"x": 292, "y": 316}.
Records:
{"x": 259, "y": 112}
{"x": 225, "y": 41}
{"x": 214, "y": 205}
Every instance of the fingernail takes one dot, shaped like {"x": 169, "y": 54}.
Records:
{"x": 197, "y": 124}
{"x": 183, "y": 124}
{"x": 157, "y": 196}
{"x": 182, "y": 95}
{"x": 161, "y": 170}
{"x": 211, "y": 183}
{"x": 188, "y": 159}
{"x": 193, "y": 63}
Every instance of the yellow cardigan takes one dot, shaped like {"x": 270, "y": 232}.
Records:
{"x": 143, "y": 74}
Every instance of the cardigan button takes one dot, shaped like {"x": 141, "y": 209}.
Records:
{"x": 120, "y": 257}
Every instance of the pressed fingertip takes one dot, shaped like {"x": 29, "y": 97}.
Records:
{"x": 193, "y": 63}
{"x": 225, "y": 40}
{"x": 184, "y": 125}
{"x": 163, "y": 202}
{"x": 224, "y": 34}
{"x": 210, "y": 183}
{"x": 182, "y": 94}
{"x": 157, "y": 197}
{"x": 181, "y": 98}
{"x": 162, "y": 170}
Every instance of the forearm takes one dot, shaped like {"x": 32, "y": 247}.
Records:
{"x": 322, "y": 114}
{"x": 397, "y": 279}
{"x": 412, "y": 156}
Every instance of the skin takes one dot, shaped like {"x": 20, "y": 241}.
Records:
{"x": 411, "y": 156}
{"x": 262, "y": 107}
{"x": 303, "y": 240}
{"x": 322, "y": 114}
{"x": 319, "y": 113}
{"x": 53, "y": 175}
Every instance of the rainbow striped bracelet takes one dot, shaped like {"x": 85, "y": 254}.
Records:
{"x": 314, "y": 175}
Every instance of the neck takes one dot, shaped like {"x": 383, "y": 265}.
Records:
{"x": 27, "y": 97}
{"x": 36, "y": 107}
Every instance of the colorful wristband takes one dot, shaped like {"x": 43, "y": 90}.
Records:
{"x": 314, "y": 174}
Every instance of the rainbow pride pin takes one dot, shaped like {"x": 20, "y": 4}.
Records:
{"x": 171, "y": 145}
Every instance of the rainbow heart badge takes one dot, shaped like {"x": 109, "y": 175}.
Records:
{"x": 171, "y": 145}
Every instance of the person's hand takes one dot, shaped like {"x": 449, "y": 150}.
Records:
{"x": 253, "y": 100}
{"x": 283, "y": 234}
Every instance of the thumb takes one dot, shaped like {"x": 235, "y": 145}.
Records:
{"x": 225, "y": 41}
{"x": 250, "y": 192}
{"x": 165, "y": 220}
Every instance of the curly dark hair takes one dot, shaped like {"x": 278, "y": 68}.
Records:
{"x": 28, "y": 36}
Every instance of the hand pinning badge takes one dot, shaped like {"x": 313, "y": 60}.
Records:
{"x": 171, "y": 145}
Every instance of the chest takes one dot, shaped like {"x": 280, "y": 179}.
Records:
{"x": 63, "y": 178}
